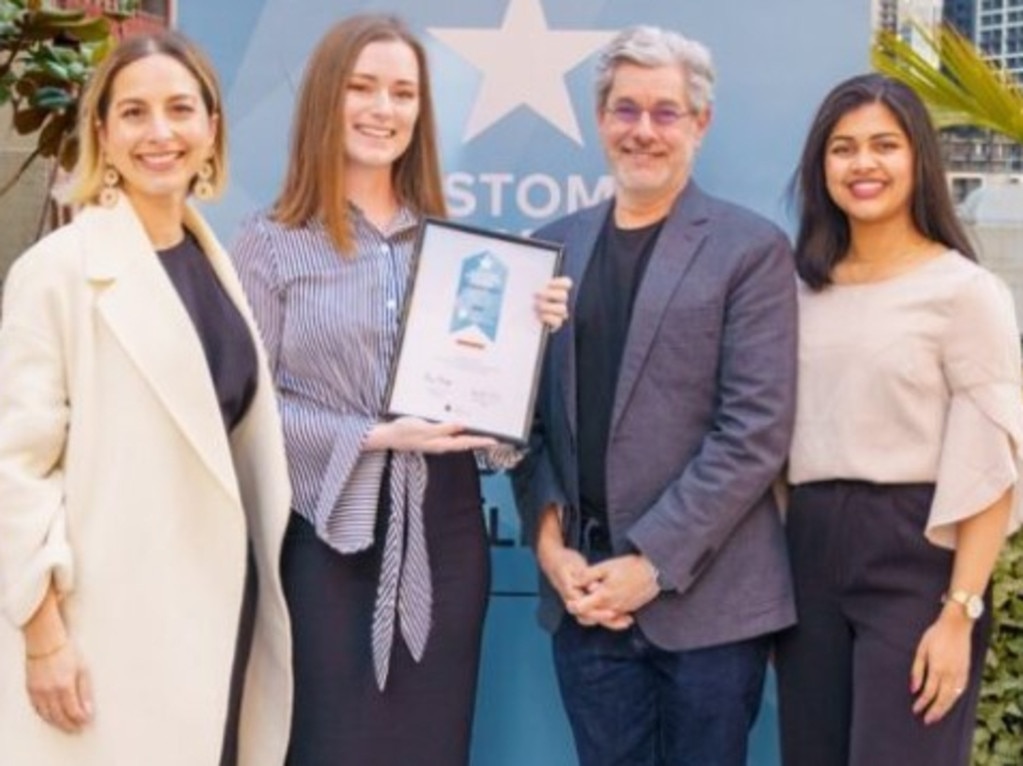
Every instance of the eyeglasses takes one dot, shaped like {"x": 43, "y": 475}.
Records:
{"x": 629, "y": 113}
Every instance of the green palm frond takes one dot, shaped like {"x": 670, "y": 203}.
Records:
{"x": 962, "y": 88}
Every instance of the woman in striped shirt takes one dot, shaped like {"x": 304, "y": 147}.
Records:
{"x": 385, "y": 563}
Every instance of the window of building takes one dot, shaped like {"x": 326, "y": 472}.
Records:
{"x": 155, "y": 8}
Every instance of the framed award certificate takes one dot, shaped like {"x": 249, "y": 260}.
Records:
{"x": 471, "y": 344}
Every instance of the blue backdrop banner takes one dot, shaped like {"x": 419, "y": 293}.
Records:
{"x": 513, "y": 84}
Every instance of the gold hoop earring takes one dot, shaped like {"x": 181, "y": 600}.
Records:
{"x": 203, "y": 188}
{"x": 110, "y": 192}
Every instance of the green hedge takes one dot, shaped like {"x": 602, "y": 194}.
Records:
{"x": 999, "y": 736}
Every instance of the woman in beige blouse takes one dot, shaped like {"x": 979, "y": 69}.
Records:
{"x": 907, "y": 446}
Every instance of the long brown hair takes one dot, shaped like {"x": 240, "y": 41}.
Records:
{"x": 315, "y": 181}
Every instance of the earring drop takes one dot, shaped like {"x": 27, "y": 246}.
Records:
{"x": 204, "y": 183}
{"x": 110, "y": 192}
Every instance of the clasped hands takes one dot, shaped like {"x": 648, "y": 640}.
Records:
{"x": 606, "y": 593}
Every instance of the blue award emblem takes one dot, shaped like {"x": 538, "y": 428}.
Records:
{"x": 481, "y": 288}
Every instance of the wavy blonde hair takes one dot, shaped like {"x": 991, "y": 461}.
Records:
{"x": 95, "y": 103}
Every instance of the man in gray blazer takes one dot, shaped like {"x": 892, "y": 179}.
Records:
{"x": 663, "y": 417}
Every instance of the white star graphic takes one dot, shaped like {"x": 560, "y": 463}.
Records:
{"x": 523, "y": 63}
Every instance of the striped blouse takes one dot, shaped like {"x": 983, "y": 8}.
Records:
{"x": 330, "y": 325}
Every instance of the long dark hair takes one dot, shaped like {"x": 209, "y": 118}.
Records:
{"x": 823, "y": 238}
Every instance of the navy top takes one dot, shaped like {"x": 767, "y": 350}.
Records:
{"x": 602, "y": 315}
{"x": 225, "y": 338}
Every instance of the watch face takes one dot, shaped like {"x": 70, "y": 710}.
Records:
{"x": 974, "y": 607}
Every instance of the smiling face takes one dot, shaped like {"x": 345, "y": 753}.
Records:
{"x": 650, "y": 161}
{"x": 381, "y": 105}
{"x": 157, "y": 131}
{"x": 869, "y": 166}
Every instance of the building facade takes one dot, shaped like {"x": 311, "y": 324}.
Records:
{"x": 961, "y": 14}
{"x": 150, "y": 15}
{"x": 998, "y": 32}
{"x": 972, "y": 155}
{"x": 884, "y": 14}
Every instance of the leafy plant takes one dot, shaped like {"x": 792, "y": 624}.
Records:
{"x": 963, "y": 88}
{"x": 46, "y": 56}
{"x": 999, "y": 735}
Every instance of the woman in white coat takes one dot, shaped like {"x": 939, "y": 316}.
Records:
{"x": 143, "y": 488}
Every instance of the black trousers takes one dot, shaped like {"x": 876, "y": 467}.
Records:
{"x": 868, "y": 584}
{"x": 424, "y": 716}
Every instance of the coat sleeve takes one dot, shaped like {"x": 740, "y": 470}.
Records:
{"x": 34, "y": 417}
{"x": 748, "y": 438}
{"x": 535, "y": 482}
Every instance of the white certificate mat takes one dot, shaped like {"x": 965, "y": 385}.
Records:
{"x": 471, "y": 344}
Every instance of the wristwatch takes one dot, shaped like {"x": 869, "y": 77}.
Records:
{"x": 662, "y": 584}
{"x": 972, "y": 604}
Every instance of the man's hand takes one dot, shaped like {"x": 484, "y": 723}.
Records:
{"x": 619, "y": 585}
{"x": 565, "y": 569}
{"x": 570, "y": 575}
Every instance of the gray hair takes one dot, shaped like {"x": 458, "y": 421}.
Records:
{"x": 649, "y": 46}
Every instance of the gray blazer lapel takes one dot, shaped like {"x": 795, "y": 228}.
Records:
{"x": 579, "y": 244}
{"x": 140, "y": 306}
{"x": 677, "y": 245}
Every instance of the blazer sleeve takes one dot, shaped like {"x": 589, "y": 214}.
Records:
{"x": 534, "y": 481}
{"x": 34, "y": 418}
{"x": 747, "y": 440}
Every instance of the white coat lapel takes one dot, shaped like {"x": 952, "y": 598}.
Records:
{"x": 138, "y": 302}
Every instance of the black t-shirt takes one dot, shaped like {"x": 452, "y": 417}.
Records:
{"x": 226, "y": 341}
{"x": 603, "y": 312}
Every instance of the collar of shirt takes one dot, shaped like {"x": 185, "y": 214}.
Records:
{"x": 406, "y": 218}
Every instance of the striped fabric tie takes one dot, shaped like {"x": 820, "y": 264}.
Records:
{"x": 404, "y": 590}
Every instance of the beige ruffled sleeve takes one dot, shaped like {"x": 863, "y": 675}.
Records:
{"x": 982, "y": 450}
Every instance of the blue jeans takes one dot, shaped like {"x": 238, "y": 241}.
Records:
{"x": 632, "y": 704}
